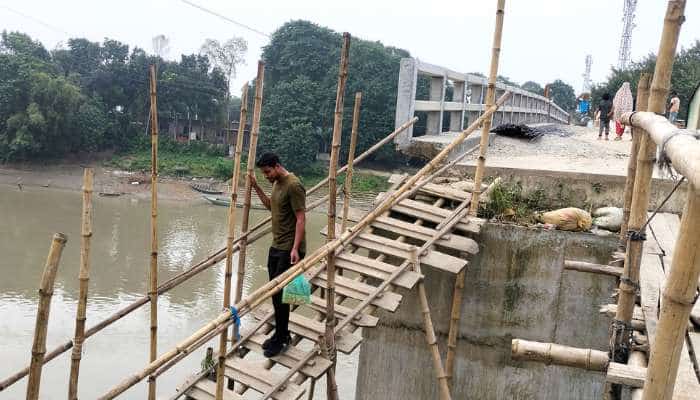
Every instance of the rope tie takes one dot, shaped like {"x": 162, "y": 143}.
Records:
{"x": 236, "y": 321}
{"x": 630, "y": 282}
{"x": 664, "y": 161}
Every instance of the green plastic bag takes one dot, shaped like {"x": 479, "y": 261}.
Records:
{"x": 297, "y": 292}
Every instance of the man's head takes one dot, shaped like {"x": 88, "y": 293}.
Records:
{"x": 269, "y": 164}
{"x": 673, "y": 93}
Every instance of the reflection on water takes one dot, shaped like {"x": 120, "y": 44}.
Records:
{"x": 119, "y": 269}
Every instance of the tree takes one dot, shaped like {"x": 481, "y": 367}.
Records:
{"x": 306, "y": 55}
{"x": 533, "y": 87}
{"x": 563, "y": 95}
{"x": 226, "y": 56}
{"x": 684, "y": 79}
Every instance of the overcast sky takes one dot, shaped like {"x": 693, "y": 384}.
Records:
{"x": 543, "y": 40}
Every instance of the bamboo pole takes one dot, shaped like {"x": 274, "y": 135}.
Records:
{"x": 42, "y": 315}
{"x": 642, "y": 100}
{"x": 153, "y": 271}
{"x": 593, "y": 268}
{"x": 677, "y": 300}
{"x": 456, "y": 309}
{"x": 552, "y": 353}
{"x": 256, "y": 232}
{"x": 84, "y": 279}
{"x": 235, "y": 177}
{"x": 275, "y": 285}
{"x": 331, "y": 387}
{"x": 490, "y": 97}
{"x": 347, "y": 188}
{"x": 252, "y": 147}
{"x": 629, "y": 283}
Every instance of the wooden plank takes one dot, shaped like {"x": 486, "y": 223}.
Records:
{"x": 362, "y": 319}
{"x": 206, "y": 390}
{"x": 452, "y": 241}
{"x": 291, "y": 357}
{"x": 255, "y": 376}
{"x": 434, "y": 214}
{"x": 346, "y": 342}
{"x": 375, "y": 269}
{"x": 627, "y": 375}
{"x": 359, "y": 291}
{"x": 445, "y": 192}
{"x": 391, "y": 247}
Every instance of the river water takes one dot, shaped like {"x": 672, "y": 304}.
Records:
{"x": 188, "y": 232}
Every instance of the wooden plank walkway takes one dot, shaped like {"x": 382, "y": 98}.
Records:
{"x": 366, "y": 263}
{"x": 656, "y": 262}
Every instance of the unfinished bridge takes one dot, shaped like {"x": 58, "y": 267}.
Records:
{"x": 373, "y": 263}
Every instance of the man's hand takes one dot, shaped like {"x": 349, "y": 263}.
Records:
{"x": 253, "y": 181}
{"x": 294, "y": 256}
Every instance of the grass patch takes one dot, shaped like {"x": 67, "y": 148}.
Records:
{"x": 509, "y": 203}
{"x": 175, "y": 164}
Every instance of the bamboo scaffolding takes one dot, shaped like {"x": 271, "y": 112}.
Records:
{"x": 347, "y": 187}
{"x": 331, "y": 387}
{"x": 255, "y": 233}
{"x": 252, "y": 147}
{"x": 42, "y": 316}
{"x": 455, "y": 316}
{"x": 593, "y": 268}
{"x": 629, "y": 282}
{"x": 153, "y": 270}
{"x": 235, "y": 177}
{"x": 552, "y": 353}
{"x": 490, "y": 97}
{"x": 83, "y": 279}
{"x": 642, "y": 100}
{"x": 275, "y": 285}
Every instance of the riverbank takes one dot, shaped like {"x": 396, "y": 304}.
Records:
{"x": 136, "y": 185}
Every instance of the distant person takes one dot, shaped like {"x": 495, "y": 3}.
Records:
{"x": 287, "y": 203}
{"x": 673, "y": 107}
{"x": 605, "y": 109}
{"x": 622, "y": 103}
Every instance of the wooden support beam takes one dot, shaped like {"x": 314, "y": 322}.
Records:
{"x": 593, "y": 268}
{"x": 347, "y": 186}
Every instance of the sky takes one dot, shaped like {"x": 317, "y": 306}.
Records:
{"x": 543, "y": 40}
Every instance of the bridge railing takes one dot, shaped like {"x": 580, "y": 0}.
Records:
{"x": 467, "y": 102}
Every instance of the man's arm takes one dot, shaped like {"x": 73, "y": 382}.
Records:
{"x": 298, "y": 235}
{"x": 261, "y": 194}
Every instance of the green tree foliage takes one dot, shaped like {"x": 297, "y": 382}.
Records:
{"x": 302, "y": 67}
{"x": 533, "y": 87}
{"x": 90, "y": 96}
{"x": 563, "y": 95}
{"x": 684, "y": 80}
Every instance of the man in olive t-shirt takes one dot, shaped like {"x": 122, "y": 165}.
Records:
{"x": 287, "y": 203}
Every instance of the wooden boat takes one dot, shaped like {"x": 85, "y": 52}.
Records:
{"x": 219, "y": 201}
{"x": 205, "y": 189}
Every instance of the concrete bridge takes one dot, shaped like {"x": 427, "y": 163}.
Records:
{"x": 446, "y": 115}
